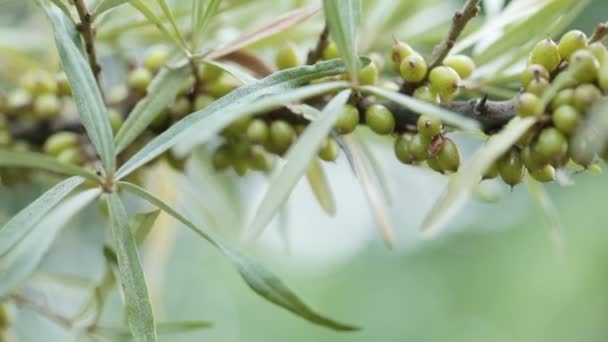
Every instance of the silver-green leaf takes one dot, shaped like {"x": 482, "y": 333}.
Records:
{"x": 39, "y": 161}
{"x": 343, "y": 18}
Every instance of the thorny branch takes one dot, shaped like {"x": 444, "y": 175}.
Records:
{"x": 315, "y": 54}
{"x": 600, "y": 32}
{"x": 85, "y": 27}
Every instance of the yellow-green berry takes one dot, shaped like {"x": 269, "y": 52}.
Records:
{"x": 413, "y": 68}
{"x": 59, "y": 142}
{"x": 537, "y": 86}
{"x": 400, "y": 52}
{"x": 259, "y": 159}
{"x": 563, "y": 98}
{"x": 600, "y": 52}
{"x": 210, "y": 73}
{"x": 402, "y": 148}
{"x": 445, "y": 82}
{"x": 330, "y": 51}
{"x": 551, "y": 145}
{"x": 380, "y": 119}
{"x": 546, "y": 53}
{"x": 222, "y": 158}
{"x": 287, "y": 57}
{"x": 419, "y": 147}
{"x": 257, "y": 131}
{"x": 571, "y": 42}
{"x": 329, "y": 149}
{"x": 116, "y": 120}
{"x": 369, "y": 74}
{"x": 585, "y": 96}
{"x": 282, "y": 135}
{"x": 528, "y": 104}
{"x": 38, "y": 82}
{"x": 587, "y": 66}
{"x": 462, "y": 64}
{"x": 534, "y": 72}
{"x": 63, "y": 84}
{"x": 47, "y": 105}
{"x": 348, "y": 120}
{"x": 181, "y": 107}
{"x": 544, "y": 174}
{"x": 18, "y": 100}
{"x": 448, "y": 156}
{"x": 155, "y": 58}
{"x": 511, "y": 168}
{"x": 429, "y": 126}
{"x": 139, "y": 79}
{"x": 202, "y": 101}
{"x": 424, "y": 93}
{"x": 565, "y": 118}
{"x": 220, "y": 88}
{"x": 70, "y": 155}
{"x": 237, "y": 127}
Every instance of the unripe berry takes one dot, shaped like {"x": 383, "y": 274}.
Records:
{"x": 552, "y": 145}
{"x": 424, "y": 93}
{"x": 220, "y": 88}
{"x": 187, "y": 86}
{"x": 603, "y": 77}
{"x": 546, "y": 53}
{"x": 587, "y": 66}
{"x": 155, "y": 58}
{"x": 210, "y": 73}
{"x": 329, "y": 150}
{"x": 369, "y": 74}
{"x": 448, "y": 157}
{"x": 181, "y": 107}
{"x": 462, "y": 64}
{"x": 287, "y": 57}
{"x": 63, "y": 84}
{"x": 600, "y": 52}
{"x": 571, "y": 42}
{"x": 562, "y": 98}
{"x": 444, "y": 81}
{"x": 378, "y": 60}
{"x": 565, "y": 118}
{"x": 585, "y": 96}
{"x": 46, "y": 106}
{"x": 259, "y": 160}
{"x": 237, "y": 127}
{"x": 116, "y": 120}
{"x": 240, "y": 166}
{"x": 531, "y": 159}
{"x": 257, "y": 132}
{"x": 534, "y": 72}
{"x": 330, "y": 52}
{"x": 413, "y": 68}
{"x": 174, "y": 161}
{"x": 402, "y": 148}
{"x": 38, "y": 82}
{"x": 221, "y": 159}
{"x": 202, "y": 101}
{"x": 544, "y": 174}
{"x": 511, "y": 168}
{"x": 59, "y": 142}
{"x": 429, "y": 126}
{"x": 139, "y": 79}
{"x": 399, "y": 52}
{"x": 538, "y": 86}
{"x": 70, "y": 155}
{"x": 380, "y": 119}
{"x": 419, "y": 147}
{"x": 528, "y": 104}
{"x": 434, "y": 164}
{"x": 580, "y": 151}
{"x": 491, "y": 172}
{"x": 282, "y": 135}
{"x": 348, "y": 120}
{"x": 18, "y": 100}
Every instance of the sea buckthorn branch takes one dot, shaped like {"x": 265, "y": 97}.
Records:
{"x": 85, "y": 27}
{"x": 600, "y": 32}
{"x": 315, "y": 54}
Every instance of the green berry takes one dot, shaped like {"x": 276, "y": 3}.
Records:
{"x": 448, "y": 156}
{"x": 348, "y": 120}
{"x": 63, "y": 84}
{"x": 534, "y": 72}
{"x": 551, "y": 145}
{"x": 463, "y": 65}
{"x": 546, "y": 53}
{"x": 210, "y": 73}
{"x": 181, "y": 107}
{"x": 187, "y": 86}
{"x": 380, "y": 119}
{"x": 419, "y": 147}
{"x": 600, "y": 52}
{"x": 369, "y": 74}
{"x": 38, "y": 82}
{"x": 565, "y": 118}
{"x": 562, "y": 98}
{"x": 402, "y": 148}
{"x": 444, "y": 81}
{"x": 511, "y": 168}
{"x": 424, "y": 93}
{"x": 330, "y": 52}
{"x": 580, "y": 151}
{"x": 259, "y": 160}
{"x": 220, "y": 88}
{"x": 537, "y": 86}
{"x": 174, "y": 161}
{"x": 139, "y": 79}
{"x": 585, "y": 96}
{"x": 378, "y": 60}
{"x": 70, "y": 155}
{"x": 18, "y": 100}
{"x": 434, "y": 164}
{"x": 544, "y": 174}
{"x": 491, "y": 172}
{"x": 603, "y": 77}
{"x": 329, "y": 150}
{"x": 287, "y": 57}
{"x": 155, "y": 58}
{"x": 429, "y": 126}
{"x": 257, "y": 132}
{"x": 202, "y": 101}
{"x": 400, "y": 52}
{"x": 531, "y": 159}
{"x": 413, "y": 68}
{"x": 237, "y": 127}
{"x": 528, "y": 104}
{"x": 282, "y": 135}
{"x": 60, "y": 141}
{"x": 46, "y": 106}
{"x": 116, "y": 120}
{"x": 571, "y": 42}
{"x": 221, "y": 159}
{"x": 240, "y": 166}
{"x": 587, "y": 66}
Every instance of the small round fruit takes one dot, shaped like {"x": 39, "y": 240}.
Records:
{"x": 378, "y": 59}
{"x": 181, "y": 107}
{"x": 429, "y": 126}
{"x": 551, "y": 145}
{"x": 448, "y": 157}
{"x": 329, "y": 150}
{"x": 348, "y": 120}
{"x": 399, "y": 52}
{"x": 220, "y": 88}
{"x": 413, "y": 68}
{"x": 202, "y": 101}
{"x": 491, "y": 172}
{"x": 544, "y": 174}
{"x": 38, "y": 82}
{"x": 59, "y": 142}
{"x": 531, "y": 159}
{"x": 46, "y": 106}
{"x": 330, "y": 52}
{"x": 546, "y": 53}
{"x": 210, "y": 73}
{"x": 419, "y": 147}
{"x": 534, "y": 72}
{"x": 444, "y": 81}
{"x": 18, "y": 100}
{"x": 424, "y": 93}
{"x": 402, "y": 148}
{"x": 221, "y": 159}
{"x": 463, "y": 65}
{"x": 287, "y": 57}
{"x": 116, "y": 120}
{"x": 155, "y": 58}
{"x": 528, "y": 104}
{"x": 600, "y": 52}
{"x": 70, "y": 155}
{"x": 562, "y": 98}
{"x": 587, "y": 66}
{"x": 380, "y": 119}
{"x": 369, "y": 74}
{"x": 282, "y": 135}
{"x": 258, "y": 131}
{"x": 240, "y": 166}
{"x": 63, "y": 84}
{"x": 580, "y": 151}
{"x": 565, "y": 118}
{"x": 511, "y": 168}
{"x": 585, "y": 96}
{"x": 571, "y": 42}
{"x": 537, "y": 86}
{"x": 237, "y": 127}
{"x": 434, "y": 164}
{"x": 259, "y": 160}
{"x": 139, "y": 79}
{"x": 603, "y": 77}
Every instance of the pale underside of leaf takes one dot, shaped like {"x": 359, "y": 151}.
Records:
{"x": 317, "y": 179}
{"x": 39, "y": 161}
{"x": 343, "y": 17}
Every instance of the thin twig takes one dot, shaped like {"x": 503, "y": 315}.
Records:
{"x": 85, "y": 27}
{"x": 43, "y": 310}
{"x": 600, "y": 32}
{"x": 315, "y": 54}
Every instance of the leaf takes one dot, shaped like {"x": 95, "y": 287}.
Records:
{"x": 205, "y": 122}
{"x": 161, "y": 92}
{"x": 85, "y": 91}
{"x": 169, "y": 16}
{"x": 141, "y": 224}
{"x": 26, "y": 220}
{"x": 200, "y": 22}
{"x": 320, "y": 187}
{"x": 377, "y": 167}
{"x": 590, "y": 137}
{"x": 545, "y": 204}
{"x": 64, "y": 8}
{"x": 106, "y": 5}
{"x": 461, "y": 185}
{"x": 269, "y": 29}
{"x": 243, "y": 77}
{"x": 343, "y": 18}
{"x": 138, "y": 307}
{"x": 283, "y": 180}
{"x": 143, "y": 7}
{"x": 39, "y": 161}
{"x": 24, "y": 258}
{"x": 256, "y": 276}
{"x": 418, "y": 106}
{"x": 162, "y": 328}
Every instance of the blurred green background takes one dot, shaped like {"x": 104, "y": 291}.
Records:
{"x": 496, "y": 275}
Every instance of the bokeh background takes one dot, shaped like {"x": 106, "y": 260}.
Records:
{"x": 499, "y": 273}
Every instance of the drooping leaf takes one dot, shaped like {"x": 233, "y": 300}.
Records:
{"x": 161, "y": 92}
{"x": 419, "y": 106}
{"x": 39, "y": 161}
{"x": 141, "y": 224}
{"x": 22, "y": 260}
{"x": 257, "y": 277}
{"x": 139, "y": 310}
{"x": 142, "y": 6}
{"x": 343, "y": 18}
{"x": 86, "y": 93}
{"x": 205, "y": 122}
{"x": 201, "y": 19}
{"x": 320, "y": 187}
{"x": 171, "y": 18}
{"x": 106, "y": 5}
{"x": 283, "y": 180}
{"x": 26, "y": 220}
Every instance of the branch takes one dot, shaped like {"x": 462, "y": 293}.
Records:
{"x": 600, "y": 32}
{"x": 85, "y": 27}
{"x": 315, "y": 54}
{"x": 43, "y": 310}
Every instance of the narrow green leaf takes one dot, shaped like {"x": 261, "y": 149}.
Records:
{"x": 64, "y": 8}
{"x": 163, "y": 328}
{"x": 243, "y": 77}
{"x": 138, "y": 307}
{"x": 39, "y": 161}
{"x": 24, "y": 258}
{"x": 256, "y": 276}
{"x": 591, "y": 136}
{"x": 546, "y": 206}
{"x": 106, "y": 5}
{"x": 283, "y": 180}
{"x": 161, "y": 92}
{"x": 200, "y": 22}
{"x": 461, "y": 185}
{"x": 141, "y": 224}
{"x": 320, "y": 187}
{"x": 377, "y": 166}
{"x": 98, "y": 295}
{"x": 418, "y": 106}
{"x": 343, "y": 18}
{"x": 143, "y": 7}
{"x": 204, "y": 123}
{"x": 171, "y": 18}
{"x": 93, "y": 112}
{"x": 26, "y": 220}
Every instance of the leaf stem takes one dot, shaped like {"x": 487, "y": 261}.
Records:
{"x": 315, "y": 54}
{"x": 85, "y": 27}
